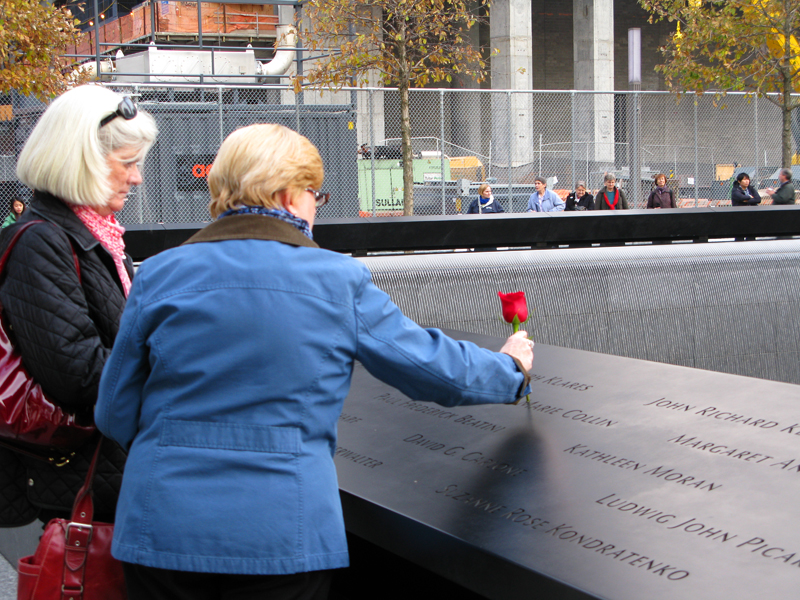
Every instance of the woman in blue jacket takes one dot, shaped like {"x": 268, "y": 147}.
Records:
{"x": 227, "y": 378}
{"x": 485, "y": 202}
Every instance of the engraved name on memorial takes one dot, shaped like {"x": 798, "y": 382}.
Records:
{"x": 621, "y": 478}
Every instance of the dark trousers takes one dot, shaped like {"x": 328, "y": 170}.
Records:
{"x": 148, "y": 583}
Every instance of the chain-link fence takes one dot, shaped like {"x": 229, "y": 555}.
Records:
{"x": 460, "y": 138}
{"x": 508, "y": 138}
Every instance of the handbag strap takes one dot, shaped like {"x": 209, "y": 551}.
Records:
{"x": 79, "y": 536}
{"x": 18, "y": 233}
{"x": 62, "y": 460}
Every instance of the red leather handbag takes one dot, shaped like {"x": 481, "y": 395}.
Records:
{"x": 26, "y": 414}
{"x": 73, "y": 559}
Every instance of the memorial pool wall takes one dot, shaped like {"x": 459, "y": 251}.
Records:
{"x": 729, "y": 307}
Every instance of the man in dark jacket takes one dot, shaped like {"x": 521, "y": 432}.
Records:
{"x": 785, "y": 192}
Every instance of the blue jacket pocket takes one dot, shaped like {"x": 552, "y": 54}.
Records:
{"x": 230, "y": 436}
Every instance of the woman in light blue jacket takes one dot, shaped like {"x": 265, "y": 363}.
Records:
{"x": 544, "y": 200}
{"x": 227, "y": 378}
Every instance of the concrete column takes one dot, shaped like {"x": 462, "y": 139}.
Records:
{"x": 593, "y": 47}
{"x": 464, "y": 124}
{"x": 510, "y": 33}
{"x": 326, "y": 97}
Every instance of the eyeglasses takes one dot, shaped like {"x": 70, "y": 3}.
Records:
{"x": 126, "y": 109}
{"x": 320, "y": 199}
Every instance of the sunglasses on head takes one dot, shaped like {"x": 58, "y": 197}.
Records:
{"x": 126, "y": 109}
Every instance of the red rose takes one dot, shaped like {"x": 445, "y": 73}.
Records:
{"x": 514, "y": 307}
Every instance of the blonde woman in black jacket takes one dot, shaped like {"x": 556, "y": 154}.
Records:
{"x": 81, "y": 160}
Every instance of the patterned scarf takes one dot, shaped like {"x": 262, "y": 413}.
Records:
{"x": 277, "y": 213}
{"x": 108, "y": 232}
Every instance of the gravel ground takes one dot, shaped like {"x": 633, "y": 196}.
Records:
{"x": 8, "y": 580}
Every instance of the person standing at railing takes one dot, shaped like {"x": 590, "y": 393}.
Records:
{"x": 610, "y": 197}
{"x": 785, "y": 192}
{"x": 661, "y": 196}
{"x": 742, "y": 193}
{"x": 580, "y": 199}
{"x": 544, "y": 200}
{"x": 485, "y": 202}
{"x": 227, "y": 380}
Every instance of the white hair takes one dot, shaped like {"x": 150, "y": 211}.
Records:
{"x": 66, "y": 153}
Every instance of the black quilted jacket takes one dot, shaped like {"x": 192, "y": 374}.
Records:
{"x": 64, "y": 328}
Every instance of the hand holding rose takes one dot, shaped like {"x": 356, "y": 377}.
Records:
{"x": 520, "y": 347}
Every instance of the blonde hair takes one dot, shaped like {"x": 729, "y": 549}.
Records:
{"x": 256, "y": 162}
{"x": 67, "y": 152}
{"x": 482, "y": 188}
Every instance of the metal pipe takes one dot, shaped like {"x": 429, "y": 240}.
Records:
{"x": 696, "y": 169}
{"x": 219, "y": 104}
{"x": 353, "y": 98}
{"x": 283, "y": 59}
{"x": 756, "y": 180}
{"x": 510, "y": 185}
{"x": 540, "y": 156}
{"x": 372, "y": 147}
{"x": 140, "y": 190}
{"x": 298, "y": 13}
{"x": 441, "y": 152}
{"x": 572, "y": 143}
{"x": 153, "y": 21}
{"x": 97, "y": 38}
{"x": 636, "y": 174}
{"x": 199, "y": 25}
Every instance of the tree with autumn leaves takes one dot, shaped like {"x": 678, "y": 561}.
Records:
{"x": 749, "y": 45}
{"x": 408, "y": 43}
{"x": 33, "y": 37}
